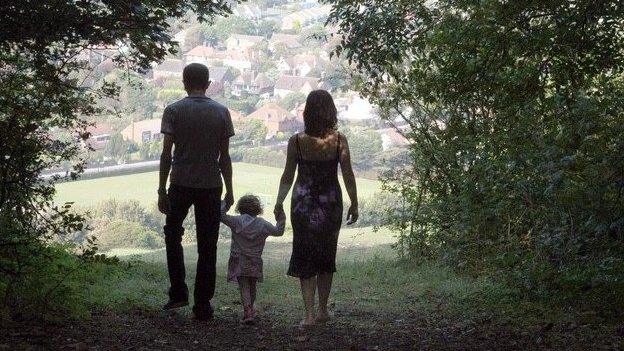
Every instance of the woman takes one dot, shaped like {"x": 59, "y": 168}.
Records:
{"x": 316, "y": 206}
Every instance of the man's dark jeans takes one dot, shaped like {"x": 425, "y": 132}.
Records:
{"x": 207, "y": 203}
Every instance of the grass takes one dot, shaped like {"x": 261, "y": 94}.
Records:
{"x": 248, "y": 178}
{"x": 370, "y": 280}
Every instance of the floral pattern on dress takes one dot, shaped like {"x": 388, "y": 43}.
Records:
{"x": 316, "y": 215}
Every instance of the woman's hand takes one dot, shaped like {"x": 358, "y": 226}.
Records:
{"x": 352, "y": 214}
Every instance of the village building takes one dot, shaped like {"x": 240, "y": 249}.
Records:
{"x": 143, "y": 131}
{"x": 300, "y": 65}
{"x": 287, "y": 41}
{"x": 390, "y": 138}
{"x": 99, "y": 135}
{"x": 206, "y": 55}
{"x": 168, "y": 68}
{"x": 305, "y": 18}
{"x": 243, "y": 43}
{"x": 354, "y": 108}
{"x": 248, "y": 82}
{"x": 242, "y": 61}
{"x": 236, "y": 116}
{"x": 276, "y": 119}
{"x": 293, "y": 84}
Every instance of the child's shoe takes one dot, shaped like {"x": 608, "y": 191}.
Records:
{"x": 249, "y": 315}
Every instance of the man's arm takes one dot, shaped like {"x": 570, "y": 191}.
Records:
{"x": 165, "y": 167}
{"x": 225, "y": 164}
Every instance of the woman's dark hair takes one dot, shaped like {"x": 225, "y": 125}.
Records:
{"x": 320, "y": 114}
{"x": 250, "y": 205}
{"x": 195, "y": 76}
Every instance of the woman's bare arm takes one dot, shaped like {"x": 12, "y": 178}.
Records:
{"x": 349, "y": 179}
{"x": 288, "y": 176}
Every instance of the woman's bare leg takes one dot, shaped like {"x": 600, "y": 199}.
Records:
{"x": 324, "y": 282}
{"x": 308, "y": 289}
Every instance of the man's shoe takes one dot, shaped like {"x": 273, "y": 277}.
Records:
{"x": 202, "y": 313}
{"x": 174, "y": 304}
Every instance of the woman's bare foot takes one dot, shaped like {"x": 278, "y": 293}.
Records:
{"x": 307, "y": 322}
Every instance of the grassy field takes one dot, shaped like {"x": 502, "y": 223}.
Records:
{"x": 248, "y": 178}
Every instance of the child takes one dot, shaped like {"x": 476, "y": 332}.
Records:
{"x": 249, "y": 234}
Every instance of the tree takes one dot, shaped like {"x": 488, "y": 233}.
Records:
{"x": 292, "y": 100}
{"x": 365, "y": 145}
{"x": 515, "y": 113}
{"x": 250, "y": 130}
{"x": 46, "y": 87}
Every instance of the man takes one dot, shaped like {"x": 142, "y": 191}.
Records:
{"x": 200, "y": 129}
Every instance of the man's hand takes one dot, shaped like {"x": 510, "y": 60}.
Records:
{"x": 278, "y": 211}
{"x": 229, "y": 200}
{"x": 163, "y": 203}
{"x": 352, "y": 215}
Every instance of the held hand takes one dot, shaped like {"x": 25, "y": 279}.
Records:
{"x": 163, "y": 203}
{"x": 278, "y": 211}
{"x": 352, "y": 215}
{"x": 229, "y": 200}
{"x": 281, "y": 216}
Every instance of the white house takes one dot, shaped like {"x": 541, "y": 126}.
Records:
{"x": 292, "y": 84}
{"x": 168, "y": 68}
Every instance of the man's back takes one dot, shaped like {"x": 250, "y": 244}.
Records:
{"x": 198, "y": 125}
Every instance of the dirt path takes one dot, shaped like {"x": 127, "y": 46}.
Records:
{"x": 148, "y": 330}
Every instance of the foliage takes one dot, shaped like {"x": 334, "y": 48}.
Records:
{"x": 263, "y": 156}
{"x": 292, "y": 100}
{"x": 249, "y": 130}
{"x": 515, "y": 113}
{"x": 46, "y": 87}
{"x": 364, "y": 144}
{"x": 119, "y": 148}
{"x": 124, "y": 233}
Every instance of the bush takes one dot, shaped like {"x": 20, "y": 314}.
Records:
{"x": 125, "y": 234}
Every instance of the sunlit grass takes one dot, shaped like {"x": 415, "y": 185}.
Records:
{"x": 248, "y": 178}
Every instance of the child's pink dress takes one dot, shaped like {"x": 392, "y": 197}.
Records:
{"x": 248, "y": 237}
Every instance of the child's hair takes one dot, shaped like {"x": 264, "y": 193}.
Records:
{"x": 250, "y": 205}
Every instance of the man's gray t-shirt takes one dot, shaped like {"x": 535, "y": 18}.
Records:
{"x": 198, "y": 125}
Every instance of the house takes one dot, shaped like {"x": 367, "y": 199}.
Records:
{"x": 287, "y": 41}
{"x": 292, "y": 84}
{"x": 242, "y": 83}
{"x": 206, "y": 55}
{"x": 236, "y": 116}
{"x": 168, "y": 68}
{"x": 180, "y": 37}
{"x": 354, "y": 108}
{"x": 221, "y": 75}
{"x": 249, "y": 83}
{"x": 242, "y": 43}
{"x": 276, "y": 119}
{"x": 99, "y": 135}
{"x": 392, "y": 138}
{"x": 305, "y": 17}
{"x": 300, "y": 65}
{"x": 143, "y": 131}
{"x": 249, "y": 11}
{"x": 240, "y": 60}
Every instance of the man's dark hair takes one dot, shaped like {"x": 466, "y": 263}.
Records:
{"x": 195, "y": 77}
{"x": 319, "y": 114}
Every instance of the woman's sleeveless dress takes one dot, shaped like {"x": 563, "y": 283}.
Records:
{"x": 316, "y": 216}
